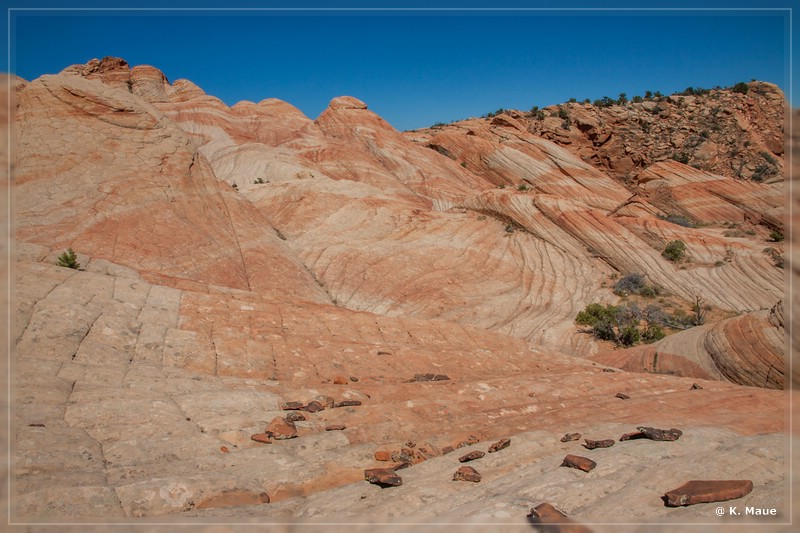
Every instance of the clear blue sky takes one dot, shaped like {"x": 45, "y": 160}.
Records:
{"x": 415, "y": 68}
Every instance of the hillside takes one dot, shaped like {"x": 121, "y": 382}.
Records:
{"x": 234, "y": 259}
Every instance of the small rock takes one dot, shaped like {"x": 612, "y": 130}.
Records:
{"x": 467, "y": 473}
{"x": 546, "y": 513}
{"x": 261, "y": 437}
{"x": 429, "y": 377}
{"x": 661, "y": 434}
{"x": 281, "y": 429}
{"x": 471, "y": 456}
{"x": 499, "y": 445}
{"x": 224, "y": 449}
{"x": 622, "y": 396}
{"x": 633, "y": 436}
{"x": 314, "y": 406}
{"x": 695, "y": 386}
{"x": 295, "y": 416}
{"x": 609, "y": 370}
{"x": 592, "y": 444}
{"x": 383, "y": 477}
{"x": 383, "y": 455}
{"x": 335, "y": 427}
{"x": 38, "y": 425}
{"x": 292, "y": 406}
{"x": 400, "y": 457}
{"x": 695, "y": 491}
{"x": 340, "y": 380}
{"x": 447, "y": 449}
{"x": 347, "y": 403}
{"x": 354, "y": 379}
{"x": 400, "y": 466}
{"x": 581, "y": 463}
{"x": 327, "y": 401}
{"x": 570, "y": 437}
{"x": 410, "y": 444}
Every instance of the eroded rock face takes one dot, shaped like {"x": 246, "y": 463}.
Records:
{"x": 145, "y": 380}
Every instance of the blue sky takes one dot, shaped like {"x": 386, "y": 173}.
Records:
{"x": 415, "y": 68}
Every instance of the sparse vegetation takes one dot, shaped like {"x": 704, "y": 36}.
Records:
{"x": 776, "y": 235}
{"x": 741, "y": 88}
{"x": 679, "y": 220}
{"x": 675, "y": 251}
{"x": 259, "y": 181}
{"x": 68, "y": 260}
{"x": 624, "y": 325}
{"x": 522, "y": 187}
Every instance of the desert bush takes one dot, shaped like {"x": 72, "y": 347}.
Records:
{"x": 675, "y": 251}
{"x": 630, "y": 284}
{"x": 776, "y": 235}
{"x": 68, "y": 260}
{"x": 740, "y": 87}
{"x": 679, "y": 220}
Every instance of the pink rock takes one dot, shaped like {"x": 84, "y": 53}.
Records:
{"x": 581, "y": 463}
{"x": 281, "y": 429}
{"x": 467, "y": 473}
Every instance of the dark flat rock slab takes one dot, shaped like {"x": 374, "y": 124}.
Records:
{"x": 699, "y": 491}
{"x": 581, "y": 463}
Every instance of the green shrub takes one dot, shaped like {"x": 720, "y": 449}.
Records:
{"x": 522, "y": 187}
{"x": 675, "y": 251}
{"x": 776, "y": 235}
{"x": 68, "y": 260}
{"x": 652, "y": 333}
{"x": 631, "y": 283}
{"x": 740, "y": 87}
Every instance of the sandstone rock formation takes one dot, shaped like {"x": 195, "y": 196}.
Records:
{"x": 158, "y": 380}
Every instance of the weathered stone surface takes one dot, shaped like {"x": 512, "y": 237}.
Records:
{"x": 383, "y": 477}
{"x": 234, "y": 498}
{"x": 703, "y": 491}
{"x": 467, "y": 473}
{"x": 578, "y": 462}
{"x": 500, "y": 445}
{"x": 281, "y": 429}
{"x": 471, "y": 456}
{"x": 592, "y": 444}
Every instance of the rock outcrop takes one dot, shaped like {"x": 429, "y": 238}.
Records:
{"x": 257, "y": 290}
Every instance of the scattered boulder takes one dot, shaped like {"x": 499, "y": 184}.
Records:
{"x": 581, "y": 463}
{"x": 429, "y": 377}
{"x": 471, "y": 456}
{"x": 546, "y": 513}
{"x": 295, "y": 416}
{"x": 281, "y": 429}
{"x": 696, "y": 491}
{"x": 383, "y": 455}
{"x": 661, "y": 434}
{"x": 570, "y": 437}
{"x": 314, "y": 406}
{"x": 347, "y": 403}
{"x": 592, "y": 444}
{"x": 262, "y": 438}
{"x": 327, "y": 401}
{"x": 499, "y": 445}
{"x": 622, "y": 396}
{"x": 335, "y": 427}
{"x": 467, "y": 473}
{"x": 383, "y": 477}
{"x": 354, "y": 379}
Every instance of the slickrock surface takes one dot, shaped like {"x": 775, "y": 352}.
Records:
{"x": 378, "y": 298}
{"x": 747, "y": 349}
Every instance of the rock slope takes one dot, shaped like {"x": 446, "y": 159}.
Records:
{"x": 419, "y": 288}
